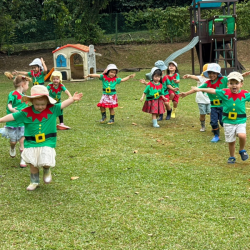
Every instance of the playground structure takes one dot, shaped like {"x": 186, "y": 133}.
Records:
{"x": 215, "y": 36}
{"x": 75, "y": 61}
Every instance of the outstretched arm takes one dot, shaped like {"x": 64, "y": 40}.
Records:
{"x": 246, "y": 74}
{"x": 92, "y": 75}
{"x": 19, "y": 72}
{"x": 191, "y": 77}
{"x": 44, "y": 66}
{"x": 128, "y": 77}
{"x": 7, "y": 118}
{"x": 143, "y": 81}
{"x": 184, "y": 94}
{"x": 68, "y": 93}
{"x": 207, "y": 90}
{"x": 75, "y": 97}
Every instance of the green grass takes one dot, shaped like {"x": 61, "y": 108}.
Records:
{"x": 176, "y": 193}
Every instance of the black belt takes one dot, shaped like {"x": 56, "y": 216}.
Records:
{"x": 234, "y": 115}
{"x": 212, "y": 102}
{"x": 33, "y": 138}
{"x": 111, "y": 90}
{"x": 150, "y": 97}
{"x": 39, "y": 83}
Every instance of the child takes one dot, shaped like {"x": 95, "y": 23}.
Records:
{"x": 201, "y": 98}
{"x": 171, "y": 81}
{"x": 154, "y": 93}
{"x": 38, "y": 71}
{"x": 13, "y": 130}
{"x": 234, "y": 113}
{"x": 55, "y": 89}
{"x": 109, "y": 97}
{"x": 217, "y": 81}
{"x": 40, "y": 131}
{"x": 160, "y": 65}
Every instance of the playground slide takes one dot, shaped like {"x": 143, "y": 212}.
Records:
{"x": 48, "y": 75}
{"x": 177, "y": 53}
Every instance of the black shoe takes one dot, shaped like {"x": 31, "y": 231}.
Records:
{"x": 168, "y": 114}
{"x": 160, "y": 117}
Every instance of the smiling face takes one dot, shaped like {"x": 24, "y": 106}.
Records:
{"x": 234, "y": 86}
{"x": 112, "y": 73}
{"x": 35, "y": 68}
{"x": 56, "y": 80}
{"x": 212, "y": 75}
{"x": 172, "y": 68}
{"x": 156, "y": 78}
{"x": 40, "y": 104}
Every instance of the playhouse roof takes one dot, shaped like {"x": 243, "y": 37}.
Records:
{"x": 76, "y": 46}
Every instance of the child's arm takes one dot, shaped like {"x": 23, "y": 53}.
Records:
{"x": 143, "y": 96}
{"x": 207, "y": 90}
{"x": 11, "y": 109}
{"x": 92, "y": 75}
{"x": 176, "y": 81}
{"x": 143, "y": 81}
{"x": 7, "y": 118}
{"x": 171, "y": 88}
{"x": 44, "y": 66}
{"x": 246, "y": 74}
{"x": 127, "y": 77}
{"x": 191, "y": 77}
{"x": 19, "y": 72}
{"x": 75, "y": 97}
{"x": 68, "y": 93}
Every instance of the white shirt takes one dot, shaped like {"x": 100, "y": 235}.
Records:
{"x": 202, "y": 97}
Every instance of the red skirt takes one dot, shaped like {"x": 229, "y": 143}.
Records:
{"x": 154, "y": 106}
{"x": 108, "y": 101}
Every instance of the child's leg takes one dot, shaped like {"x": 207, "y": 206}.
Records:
{"x": 242, "y": 140}
{"x": 47, "y": 177}
{"x": 103, "y": 111}
{"x": 12, "y": 149}
{"x": 174, "y": 109}
{"x": 34, "y": 178}
{"x": 202, "y": 120}
{"x": 61, "y": 119}
{"x": 112, "y": 116}
{"x": 155, "y": 124}
{"x": 214, "y": 123}
{"x": 22, "y": 162}
{"x": 231, "y": 146}
{"x": 21, "y": 142}
{"x": 175, "y": 104}
{"x": 169, "y": 110}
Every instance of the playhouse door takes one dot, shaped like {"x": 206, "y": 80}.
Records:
{"x": 76, "y": 66}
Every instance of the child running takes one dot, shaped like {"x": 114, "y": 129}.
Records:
{"x": 234, "y": 113}
{"x": 154, "y": 93}
{"x": 55, "y": 88}
{"x": 13, "y": 130}
{"x": 37, "y": 73}
{"x": 109, "y": 98}
{"x": 201, "y": 98}
{"x": 40, "y": 131}
{"x": 216, "y": 81}
{"x": 171, "y": 82}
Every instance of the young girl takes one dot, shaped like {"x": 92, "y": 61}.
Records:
{"x": 154, "y": 93}
{"x": 37, "y": 73}
{"x": 55, "y": 89}
{"x": 172, "y": 81}
{"x": 13, "y": 130}
{"x": 40, "y": 131}
{"x": 201, "y": 98}
{"x": 109, "y": 97}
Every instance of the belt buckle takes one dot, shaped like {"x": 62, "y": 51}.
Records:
{"x": 156, "y": 95}
{"x": 216, "y": 102}
{"x": 108, "y": 90}
{"x": 36, "y": 83}
{"x": 232, "y": 115}
{"x": 56, "y": 99}
{"x": 40, "y": 138}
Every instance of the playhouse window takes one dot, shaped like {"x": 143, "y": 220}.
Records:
{"x": 61, "y": 61}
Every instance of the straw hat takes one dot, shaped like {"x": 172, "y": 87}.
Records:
{"x": 236, "y": 76}
{"x": 213, "y": 67}
{"x": 38, "y": 62}
{"x": 56, "y": 73}
{"x": 38, "y": 91}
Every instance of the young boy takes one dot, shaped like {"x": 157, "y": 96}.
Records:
{"x": 202, "y": 99}
{"x": 217, "y": 81}
{"x": 234, "y": 113}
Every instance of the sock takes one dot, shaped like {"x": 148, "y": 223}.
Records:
{"x": 112, "y": 117}
{"x": 61, "y": 118}
{"x": 34, "y": 178}
{"x": 203, "y": 123}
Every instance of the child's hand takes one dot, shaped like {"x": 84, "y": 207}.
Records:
{"x": 186, "y": 76}
{"x": 175, "y": 80}
{"x": 143, "y": 81}
{"x": 77, "y": 96}
{"x": 246, "y": 74}
{"x": 42, "y": 60}
{"x": 141, "y": 98}
{"x": 164, "y": 98}
{"x": 14, "y": 73}
{"x": 195, "y": 89}
{"x": 132, "y": 76}
{"x": 183, "y": 94}
{"x": 14, "y": 110}
{"x": 175, "y": 89}
{"x": 85, "y": 77}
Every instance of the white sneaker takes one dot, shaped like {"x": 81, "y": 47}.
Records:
{"x": 203, "y": 129}
{"x": 12, "y": 152}
{"x": 32, "y": 186}
{"x": 47, "y": 177}
{"x": 23, "y": 163}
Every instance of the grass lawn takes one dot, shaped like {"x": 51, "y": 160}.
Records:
{"x": 176, "y": 192}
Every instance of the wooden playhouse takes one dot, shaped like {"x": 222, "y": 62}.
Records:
{"x": 75, "y": 61}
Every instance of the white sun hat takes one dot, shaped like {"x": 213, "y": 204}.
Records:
{"x": 213, "y": 67}
{"x": 56, "y": 73}
{"x": 38, "y": 62}
{"x": 38, "y": 91}
{"x": 236, "y": 76}
{"x": 173, "y": 62}
{"x": 109, "y": 67}
{"x": 160, "y": 65}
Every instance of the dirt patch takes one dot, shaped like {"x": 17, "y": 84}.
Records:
{"x": 124, "y": 56}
